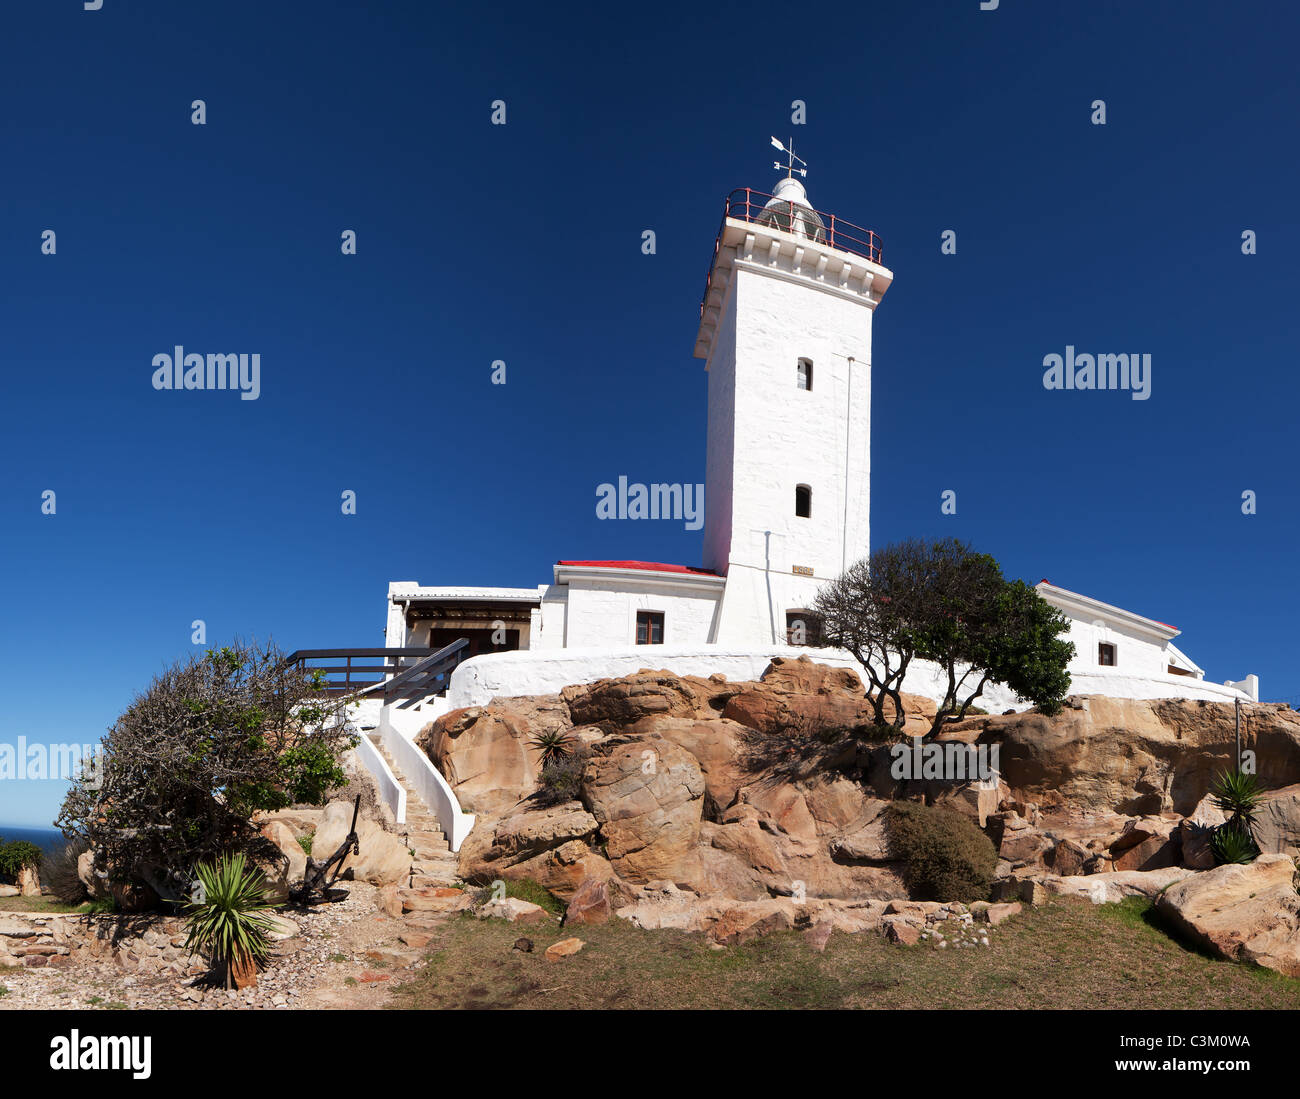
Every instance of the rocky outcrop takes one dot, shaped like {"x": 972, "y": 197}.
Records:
{"x": 708, "y": 803}
{"x": 383, "y": 858}
{"x": 1137, "y": 757}
{"x": 1248, "y": 913}
{"x": 484, "y": 751}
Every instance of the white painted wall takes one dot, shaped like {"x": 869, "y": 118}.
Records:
{"x": 767, "y": 436}
{"x": 602, "y": 613}
{"x": 1136, "y": 654}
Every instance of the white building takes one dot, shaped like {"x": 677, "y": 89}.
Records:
{"x": 785, "y": 334}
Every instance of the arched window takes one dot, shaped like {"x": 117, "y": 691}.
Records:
{"x": 803, "y": 501}
{"x": 805, "y": 374}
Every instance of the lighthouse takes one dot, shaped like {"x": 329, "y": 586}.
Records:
{"x": 785, "y": 335}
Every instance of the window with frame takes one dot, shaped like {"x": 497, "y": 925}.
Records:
{"x": 803, "y": 628}
{"x": 803, "y": 501}
{"x": 649, "y": 628}
{"x": 1105, "y": 654}
{"x": 804, "y": 374}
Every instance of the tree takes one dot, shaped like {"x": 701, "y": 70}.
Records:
{"x": 944, "y": 603}
{"x": 212, "y": 740}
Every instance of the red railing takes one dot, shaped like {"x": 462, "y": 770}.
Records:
{"x": 746, "y": 204}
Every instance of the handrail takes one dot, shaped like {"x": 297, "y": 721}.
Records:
{"x": 349, "y": 671}
{"x": 746, "y": 204}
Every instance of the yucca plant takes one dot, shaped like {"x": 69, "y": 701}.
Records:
{"x": 554, "y": 744}
{"x": 1232, "y": 842}
{"x": 228, "y": 919}
{"x": 1236, "y": 793}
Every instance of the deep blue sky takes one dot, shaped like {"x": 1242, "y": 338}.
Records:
{"x": 522, "y": 243}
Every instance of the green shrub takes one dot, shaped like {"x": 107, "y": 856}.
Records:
{"x": 16, "y": 854}
{"x": 947, "y": 857}
{"x": 561, "y": 778}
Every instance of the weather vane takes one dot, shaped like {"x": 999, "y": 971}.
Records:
{"x": 789, "y": 167}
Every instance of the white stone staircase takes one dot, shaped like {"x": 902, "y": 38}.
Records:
{"x": 433, "y": 861}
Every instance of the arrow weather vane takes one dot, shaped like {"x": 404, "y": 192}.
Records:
{"x": 789, "y": 167}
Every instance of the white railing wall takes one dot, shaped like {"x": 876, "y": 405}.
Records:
{"x": 425, "y": 780}
{"x": 392, "y": 792}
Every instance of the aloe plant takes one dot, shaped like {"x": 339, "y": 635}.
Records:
{"x": 554, "y": 744}
{"x": 1232, "y": 842}
{"x": 228, "y": 919}
{"x": 1237, "y": 794}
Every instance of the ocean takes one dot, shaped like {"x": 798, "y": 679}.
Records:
{"x": 48, "y": 840}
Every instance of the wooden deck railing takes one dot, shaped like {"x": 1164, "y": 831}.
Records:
{"x": 404, "y": 673}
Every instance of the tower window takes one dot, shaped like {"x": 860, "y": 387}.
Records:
{"x": 803, "y": 628}
{"x": 1106, "y": 655}
{"x": 805, "y": 374}
{"x": 649, "y": 628}
{"x": 803, "y": 501}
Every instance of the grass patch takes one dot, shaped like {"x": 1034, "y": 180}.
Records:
{"x": 42, "y": 904}
{"x": 1067, "y": 954}
{"x": 305, "y": 842}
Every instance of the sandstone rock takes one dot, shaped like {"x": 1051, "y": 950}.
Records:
{"x": 648, "y": 797}
{"x": 744, "y": 923}
{"x": 529, "y": 832}
{"x": 1277, "y": 821}
{"x": 1068, "y": 858}
{"x": 514, "y": 910}
{"x": 565, "y": 948}
{"x": 1150, "y": 843}
{"x": 1195, "y": 831}
{"x": 388, "y": 902}
{"x": 280, "y": 927}
{"x": 716, "y": 745}
{"x": 994, "y": 914}
{"x": 279, "y": 834}
{"x": 484, "y": 751}
{"x": 10, "y": 891}
{"x": 384, "y": 859}
{"x": 1245, "y": 913}
{"x": 589, "y": 905}
{"x": 902, "y": 930}
{"x": 819, "y": 934}
{"x": 616, "y": 703}
{"x": 29, "y": 882}
{"x": 1139, "y": 756}
{"x": 1111, "y": 888}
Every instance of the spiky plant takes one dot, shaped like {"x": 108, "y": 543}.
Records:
{"x": 228, "y": 919}
{"x": 554, "y": 744}
{"x": 1236, "y": 793}
{"x": 1232, "y": 842}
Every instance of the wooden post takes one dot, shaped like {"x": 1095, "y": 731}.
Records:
{"x": 1237, "y": 723}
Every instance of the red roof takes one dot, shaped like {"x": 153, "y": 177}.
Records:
{"x": 646, "y": 566}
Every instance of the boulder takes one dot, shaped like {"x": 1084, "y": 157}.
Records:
{"x": 648, "y": 797}
{"x": 29, "y": 882}
{"x": 485, "y": 753}
{"x": 565, "y": 948}
{"x": 716, "y": 744}
{"x": 383, "y": 858}
{"x": 614, "y": 704}
{"x": 1277, "y": 821}
{"x": 280, "y": 835}
{"x": 744, "y": 923}
{"x": 1111, "y": 888}
{"x": 1195, "y": 831}
{"x": 589, "y": 905}
{"x": 514, "y": 910}
{"x": 1248, "y": 913}
{"x": 1149, "y": 843}
{"x": 1136, "y": 756}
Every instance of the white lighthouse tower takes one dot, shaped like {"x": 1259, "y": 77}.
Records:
{"x": 785, "y": 332}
